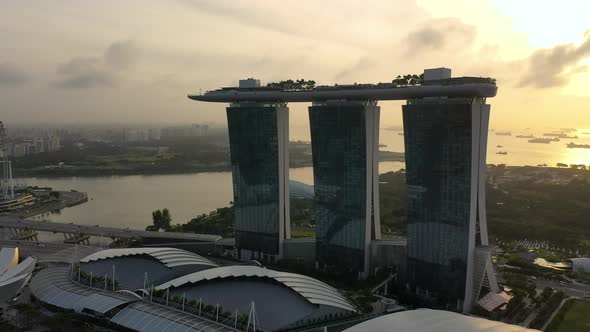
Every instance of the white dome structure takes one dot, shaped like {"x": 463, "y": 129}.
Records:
{"x": 281, "y": 299}
{"x": 427, "y": 320}
{"x": 13, "y": 276}
{"x": 581, "y": 264}
{"x": 135, "y": 266}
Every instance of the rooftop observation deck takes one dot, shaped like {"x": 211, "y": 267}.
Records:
{"x": 453, "y": 87}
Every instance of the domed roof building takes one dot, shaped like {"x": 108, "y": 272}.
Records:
{"x": 280, "y": 299}
{"x": 581, "y": 264}
{"x": 427, "y": 320}
{"x": 136, "y": 268}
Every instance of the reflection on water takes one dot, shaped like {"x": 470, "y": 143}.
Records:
{"x": 556, "y": 266}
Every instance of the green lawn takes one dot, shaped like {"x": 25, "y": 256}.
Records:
{"x": 574, "y": 316}
{"x": 302, "y": 232}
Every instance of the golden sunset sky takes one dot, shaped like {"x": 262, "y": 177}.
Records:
{"x": 133, "y": 62}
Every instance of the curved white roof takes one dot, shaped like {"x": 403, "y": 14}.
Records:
{"x": 171, "y": 257}
{"x": 9, "y": 288}
{"x": 13, "y": 276}
{"x": 24, "y": 268}
{"x": 311, "y": 289}
{"x": 8, "y": 259}
{"x": 53, "y": 285}
{"x": 427, "y": 320}
{"x": 582, "y": 263}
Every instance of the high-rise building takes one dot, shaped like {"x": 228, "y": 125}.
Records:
{"x": 445, "y": 147}
{"x": 345, "y": 142}
{"x": 258, "y": 136}
{"x": 445, "y": 122}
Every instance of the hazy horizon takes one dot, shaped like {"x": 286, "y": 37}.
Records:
{"x": 134, "y": 62}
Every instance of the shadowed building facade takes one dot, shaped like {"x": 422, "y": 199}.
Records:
{"x": 345, "y": 140}
{"x": 445, "y": 146}
{"x": 258, "y": 136}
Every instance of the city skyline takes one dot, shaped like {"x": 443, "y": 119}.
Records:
{"x": 252, "y": 165}
{"x": 132, "y": 70}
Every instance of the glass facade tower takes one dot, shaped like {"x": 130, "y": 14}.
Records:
{"x": 445, "y": 146}
{"x": 258, "y": 136}
{"x": 345, "y": 140}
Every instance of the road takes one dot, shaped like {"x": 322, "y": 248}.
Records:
{"x": 573, "y": 289}
{"x": 570, "y": 289}
{"x": 112, "y": 232}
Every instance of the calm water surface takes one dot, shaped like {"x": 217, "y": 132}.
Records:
{"x": 128, "y": 201}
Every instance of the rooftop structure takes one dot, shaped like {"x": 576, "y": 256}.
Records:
{"x": 426, "y": 320}
{"x": 451, "y": 87}
{"x": 223, "y": 299}
{"x": 249, "y": 83}
{"x": 435, "y": 74}
{"x": 581, "y": 264}
{"x": 136, "y": 268}
{"x": 142, "y": 316}
{"x": 171, "y": 257}
{"x": 53, "y": 287}
{"x": 282, "y": 299}
{"x": 13, "y": 276}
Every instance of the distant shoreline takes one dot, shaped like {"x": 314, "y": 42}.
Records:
{"x": 21, "y": 173}
{"x": 85, "y": 171}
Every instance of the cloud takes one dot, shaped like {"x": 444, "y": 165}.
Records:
{"x": 440, "y": 34}
{"x": 121, "y": 54}
{"x": 361, "y": 65}
{"x": 83, "y": 73}
{"x": 243, "y": 13}
{"x": 553, "y": 67}
{"x": 12, "y": 75}
{"x": 97, "y": 71}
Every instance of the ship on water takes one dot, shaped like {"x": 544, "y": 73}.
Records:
{"x": 568, "y": 130}
{"x": 572, "y": 145}
{"x": 502, "y": 152}
{"x": 541, "y": 140}
{"x": 525, "y": 136}
{"x": 560, "y": 135}
{"x": 504, "y": 133}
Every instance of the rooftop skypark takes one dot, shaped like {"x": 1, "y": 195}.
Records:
{"x": 402, "y": 87}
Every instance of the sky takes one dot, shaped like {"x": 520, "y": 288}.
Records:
{"x": 133, "y": 62}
